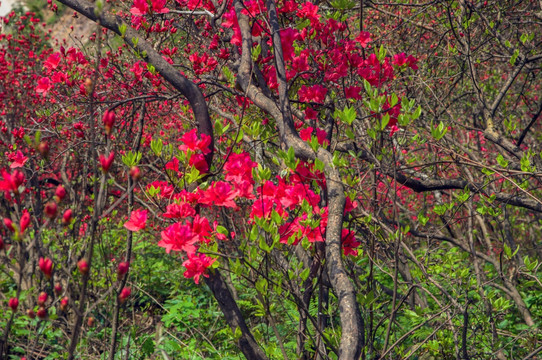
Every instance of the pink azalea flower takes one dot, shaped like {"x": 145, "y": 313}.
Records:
{"x": 138, "y": 220}
{"x": 44, "y": 85}
{"x": 18, "y": 159}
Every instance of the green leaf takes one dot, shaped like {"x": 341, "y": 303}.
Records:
{"x": 422, "y": 219}
{"x": 314, "y": 143}
{"x": 525, "y": 163}
{"x": 347, "y": 115}
{"x": 239, "y": 136}
{"x": 439, "y": 131}
{"x": 157, "y": 146}
{"x": 237, "y": 333}
{"x": 530, "y": 265}
{"x": 384, "y": 121}
{"x": 502, "y": 162}
{"x": 507, "y": 251}
{"x": 304, "y": 274}
{"x": 261, "y": 286}
{"x": 343, "y": 4}
{"x": 440, "y": 209}
{"x": 151, "y": 68}
{"x": 263, "y": 245}
{"x": 256, "y": 51}
{"x": 381, "y": 53}
{"x": 319, "y": 165}
{"x": 394, "y": 100}
{"x": 122, "y": 30}
{"x": 367, "y": 87}
{"x": 417, "y": 113}
{"x": 221, "y": 230}
{"x": 228, "y": 74}
{"x": 514, "y": 57}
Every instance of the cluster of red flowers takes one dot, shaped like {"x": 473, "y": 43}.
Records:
{"x": 285, "y": 197}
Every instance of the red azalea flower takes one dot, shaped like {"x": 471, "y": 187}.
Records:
{"x": 315, "y": 93}
{"x": 220, "y": 194}
{"x": 178, "y": 237}
{"x": 349, "y": 243}
{"x": 159, "y": 6}
{"x": 179, "y": 211}
{"x": 364, "y": 38}
{"x": 11, "y": 181}
{"x": 140, "y": 8}
{"x": 309, "y": 11}
{"x": 239, "y": 167}
{"x": 196, "y": 266}
{"x": 52, "y": 61}
{"x": 190, "y": 141}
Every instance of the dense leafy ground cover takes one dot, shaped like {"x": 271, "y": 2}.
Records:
{"x": 274, "y": 180}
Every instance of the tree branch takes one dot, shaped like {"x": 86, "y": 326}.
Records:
{"x": 234, "y": 318}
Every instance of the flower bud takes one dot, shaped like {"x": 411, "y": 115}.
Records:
{"x": 9, "y": 224}
{"x": 109, "y": 121}
{"x": 51, "y": 209}
{"x": 13, "y": 303}
{"x": 90, "y": 321}
{"x": 25, "y": 220}
{"x": 124, "y": 294}
{"x": 43, "y": 149}
{"x": 88, "y": 85}
{"x": 42, "y": 313}
{"x": 122, "y": 268}
{"x": 64, "y": 303}
{"x": 106, "y": 162}
{"x": 60, "y": 193}
{"x": 67, "y": 217}
{"x": 46, "y": 267}
{"x": 58, "y": 289}
{"x": 42, "y": 298}
{"x": 83, "y": 266}
{"x": 31, "y": 314}
{"x": 135, "y": 173}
